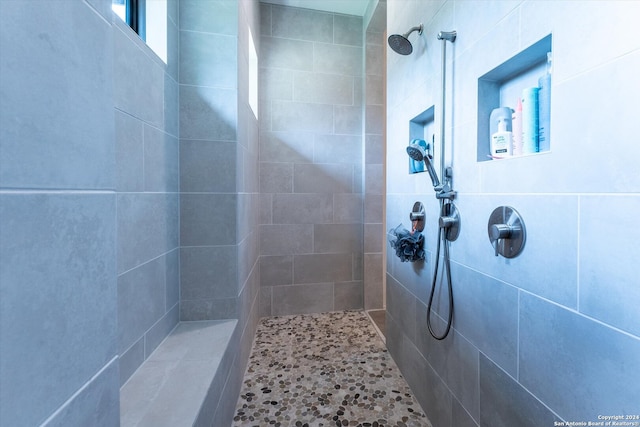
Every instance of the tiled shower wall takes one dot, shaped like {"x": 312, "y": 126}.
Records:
{"x": 89, "y": 206}
{"x": 58, "y": 176}
{"x": 219, "y": 201}
{"x": 552, "y": 334}
{"x": 147, "y": 179}
{"x": 311, "y": 233}
{"x": 374, "y": 148}
{"x": 208, "y": 150}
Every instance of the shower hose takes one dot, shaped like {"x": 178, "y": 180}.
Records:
{"x": 446, "y": 266}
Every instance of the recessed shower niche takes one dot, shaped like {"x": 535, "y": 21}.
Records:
{"x": 514, "y": 105}
{"x": 422, "y": 127}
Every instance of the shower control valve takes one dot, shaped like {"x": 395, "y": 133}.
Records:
{"x": 506, "y": 231}
{"x": 449, "y": 221}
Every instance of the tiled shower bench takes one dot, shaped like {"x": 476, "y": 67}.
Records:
{"x": 181, "y": 383}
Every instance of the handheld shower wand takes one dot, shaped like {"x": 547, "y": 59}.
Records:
{"x": 417, "y": 153}
{"x": 443, "y": 190}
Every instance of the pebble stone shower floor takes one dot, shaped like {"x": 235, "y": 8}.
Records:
{"x": 319, "y": 370}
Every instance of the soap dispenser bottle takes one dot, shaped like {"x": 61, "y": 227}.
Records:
{"x": 501, "y": 141}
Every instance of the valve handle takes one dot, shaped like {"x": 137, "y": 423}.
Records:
{"x": 506, "y": 232}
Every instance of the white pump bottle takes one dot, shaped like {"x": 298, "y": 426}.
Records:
{"x": 501, "y": 142}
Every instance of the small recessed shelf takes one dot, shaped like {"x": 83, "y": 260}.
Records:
{"x": 504, "y": 85}
{"x": 421, "y": 127}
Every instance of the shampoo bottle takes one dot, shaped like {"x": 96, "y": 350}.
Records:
{"x": 544, "y": 108}
{"x": 529, "y": 120}
{"x": 501, "y": 144}
{"x": 516, "y": 127}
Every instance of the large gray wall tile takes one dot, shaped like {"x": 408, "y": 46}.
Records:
{"x": 297, "y": 299}
{"x": 323, "y": 178}
{"x": 161, "y": 163}
{"x": 425, "y": 383}
{"x": 163, "y": 327}
{"x": 374, "y": 174}
{"x": 302, "y": 208}
{"x": 103, "y": 388}
{"x": 147, "y": 227}
{"x": 208, "y": 113}
{"x": 301, "y": 116}
{"x": 347, "y": 208}
{"x": 580, "y": 354}
{"x": 171, "y": 104}
{"x": 286, "y": 53}
{"x": 374, "y": 59}
{"x": 58, "y": 290}
{"x": 401, "y": 305}
{"x": 56, "y": 114}
{"x": 347, "y": 119}
{"x": 212, "y": 16}
{"x": 130, "y": 360}
{"x": 317, "y": 268}
{"x": 286, "y": 147}
{"x": 208, "y": 272}
{"x": 374, "y": 92}
{"x": 337, "y": 149}
{"x": 141, "y": 300}
{"x": 323, "y": 88}
{"x": 207, "y": 166}
{"x": 208, "y": 309}
{"x": 339, "y": 59}
{"x": 455, "y": 359}
{"x": 173, "y": 51}
{"x": 276, "y": 177}
{"x": 276, "y": 270}
{"x": 302, "y": 24}
{"x": 129, "y": 152}
{"x": 207, "y": 219}
{"x": 609, "y": 284}
{"x": 506, "y": 403}
{"x": 486, "y": 313}
{"x": 337, "y": 238}
{"x": 373, "y": 276}
{"x": 374, "y": 208}
{"x": 276, "y": 84}
{"x": 285, "y": 239}
{"x": 347, "y": 30}
{"x": 138, "y": 79}
{"x": 348, "y": 295}
{"x": 208, "y": 59}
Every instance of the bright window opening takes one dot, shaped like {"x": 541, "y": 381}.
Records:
{"x": 148, "y": 18}
{"x": 253, "y": 76}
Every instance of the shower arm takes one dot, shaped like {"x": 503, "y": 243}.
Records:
{"x": 445, "y": 192}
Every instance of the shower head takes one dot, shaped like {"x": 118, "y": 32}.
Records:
{"x": 400, "y": 43}
{"x": 417, "y": 153}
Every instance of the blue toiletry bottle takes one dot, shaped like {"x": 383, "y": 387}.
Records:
{"x": 544, "y": 108}
{"x": 530, "y": 120}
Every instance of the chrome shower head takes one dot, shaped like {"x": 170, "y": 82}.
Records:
{"x": 417, "y": 153}
{"x": 400, "y": 43}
